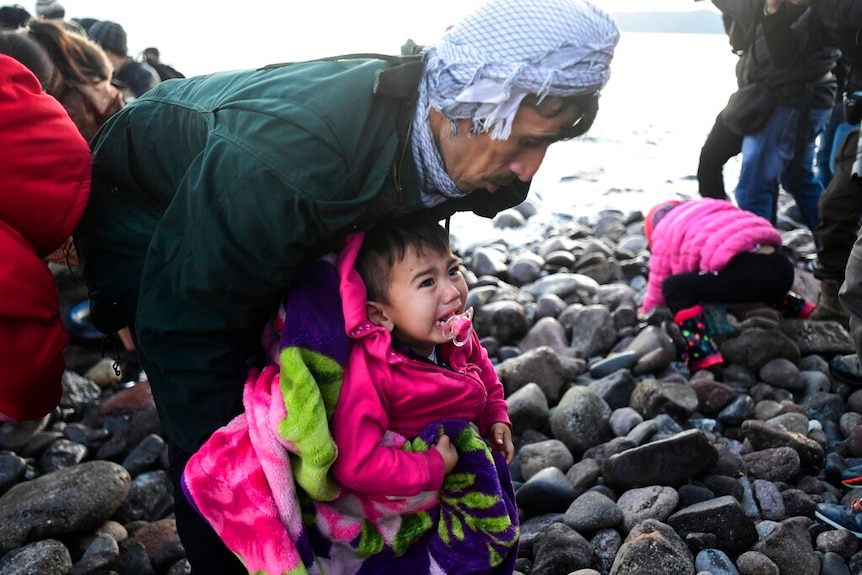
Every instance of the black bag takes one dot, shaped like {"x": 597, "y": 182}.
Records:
{"x": 749, "y": 108}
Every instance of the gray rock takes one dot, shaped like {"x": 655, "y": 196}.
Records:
{"x": 540, "y": 366}
{"x": 612, "y": 363}
{"x": 583, "y": 474}
{"x": 654, "y": 502}
{"x": 615, "y": 389}
{"x": 723, "y": 517}
{"x": 593, "y": 511}
{"x": 528, "y": 409}
{"x": 571, "y": 288}
{"x": 762, "y": 435}
{"x": 670, "y": 462}
{"x": 593, "y": 330}
{"x": 581, "y": 420}
{"x": 756, "y": 563}
{"x": 540, "y": 455}
{"x": 826, "y": 338}
{"x": 653, "y": 547}
{"x": 769, "y": 500}
{"x": 47, "y": 557}
{"x": 100, "y": 555}
{"x": 548, "y": 491}
{"x": 773, "y": 464}
{"x": 716, "y": 562}
{"x": 546, "y": 332}
{"x": 652, "y": 397}
{"x": 561, "y": 549}
{"x": 623, "y": 420}
{"x": 789, "y": 547}
{"x": 782, "y": 373}
{"x": 605, "y": 545}
{"x": 754, "y": 347}
{"x": 55, "y": 504}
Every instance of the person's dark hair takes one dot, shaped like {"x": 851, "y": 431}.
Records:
{"x": 78, "y": 59}
{"x": 151, "y": 52}
{"x": 32, "y": 55}
{"x": 388, "y": 242}
{"x": 13, "y": 17}
{"x": 553, "y": 106}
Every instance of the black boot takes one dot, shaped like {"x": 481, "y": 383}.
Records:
{"x": 701, "y": 351}
{"x": 794, "y": 305}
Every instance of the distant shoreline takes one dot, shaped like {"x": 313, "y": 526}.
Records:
{"x": 694, "y": 22}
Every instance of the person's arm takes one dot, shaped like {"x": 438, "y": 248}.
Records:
{"x": 743, "y": 10}
{"x": 840, "y": 12}
{"x": 364, "y": 464}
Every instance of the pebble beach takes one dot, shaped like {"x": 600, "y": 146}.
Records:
{"x": 626, "y": 462}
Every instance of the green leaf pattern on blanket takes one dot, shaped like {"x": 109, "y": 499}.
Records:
{"x": 310, "y": 383}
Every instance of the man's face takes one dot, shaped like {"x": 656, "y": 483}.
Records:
{"x": 478, "y": 162}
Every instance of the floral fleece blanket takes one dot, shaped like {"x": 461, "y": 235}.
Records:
{"x": 263, "y": 480}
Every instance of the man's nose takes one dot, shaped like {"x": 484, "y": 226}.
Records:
{"x": 527, "y": 164}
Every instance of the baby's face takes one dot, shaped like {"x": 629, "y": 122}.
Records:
{"x": 424, "y": 291}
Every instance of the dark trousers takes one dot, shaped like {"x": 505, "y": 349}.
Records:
{"x": 205, "y": 551}
{"x": 748, "y": 278}
{"x": 721, "y": 145}
{"x": 840, "y": 209}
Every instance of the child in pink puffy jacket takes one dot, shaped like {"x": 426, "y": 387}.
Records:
{"x": 709, "y": 250}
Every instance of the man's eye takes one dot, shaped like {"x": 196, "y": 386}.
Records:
{"x": 427, "y": 283}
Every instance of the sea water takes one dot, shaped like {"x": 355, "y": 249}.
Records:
{"x": 654, "y": 115}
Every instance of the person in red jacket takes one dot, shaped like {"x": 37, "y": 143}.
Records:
{"x": 45, "y": 178}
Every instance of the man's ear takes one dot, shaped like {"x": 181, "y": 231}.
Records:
{"x": 378, "y": 316}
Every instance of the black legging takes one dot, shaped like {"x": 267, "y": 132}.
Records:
{"x": 748, "y": 278}
{"x": 205, "y": 551}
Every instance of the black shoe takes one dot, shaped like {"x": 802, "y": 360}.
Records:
{"x": 844, "y": 517}
{"x": 846, "y": 369}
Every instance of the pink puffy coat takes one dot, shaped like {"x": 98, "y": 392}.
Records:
{"x": 386, "y": 390}
{"x": 702, "y": 235}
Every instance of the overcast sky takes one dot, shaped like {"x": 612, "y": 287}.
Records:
{"x": 200, "y": 36}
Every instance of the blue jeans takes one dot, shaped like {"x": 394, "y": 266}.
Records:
{"x": 829, "y": 141}
{"x": 767, "y": 159}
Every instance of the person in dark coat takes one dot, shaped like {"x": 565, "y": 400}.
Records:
{"x": 136, "y": 77}
{"x": 154, "y": 59}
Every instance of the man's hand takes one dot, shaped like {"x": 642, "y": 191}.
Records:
{"x": 449, "y": 453}
{"x": 500, "y": 438}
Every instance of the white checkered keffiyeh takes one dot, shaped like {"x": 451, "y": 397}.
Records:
{"x": 485, "y": 65}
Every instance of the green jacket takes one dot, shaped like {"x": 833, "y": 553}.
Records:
{"x": 209, "y": 193}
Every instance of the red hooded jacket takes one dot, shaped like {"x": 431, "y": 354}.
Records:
{"x": 44, "y": 183}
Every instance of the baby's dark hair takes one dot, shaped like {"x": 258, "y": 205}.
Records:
{"x": 387, "y": 243}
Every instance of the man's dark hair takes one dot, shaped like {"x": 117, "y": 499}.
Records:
{"x": 553, "y": 106}
{"x": 388, "y": 242}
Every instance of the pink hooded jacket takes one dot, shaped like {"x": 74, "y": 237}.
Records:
{"x": 702, "y": 235}
{"x": 386, "y": 390}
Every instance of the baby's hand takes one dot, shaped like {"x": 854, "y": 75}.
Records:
{"x": 500, "y": 438}
{"x": 449, "y": 453}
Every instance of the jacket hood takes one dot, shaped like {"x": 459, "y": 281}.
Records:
{"x": 354, "y": 297}
{"x": 46, "y": 169}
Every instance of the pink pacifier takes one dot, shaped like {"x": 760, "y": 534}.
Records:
{"x": 458, "y": 328}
